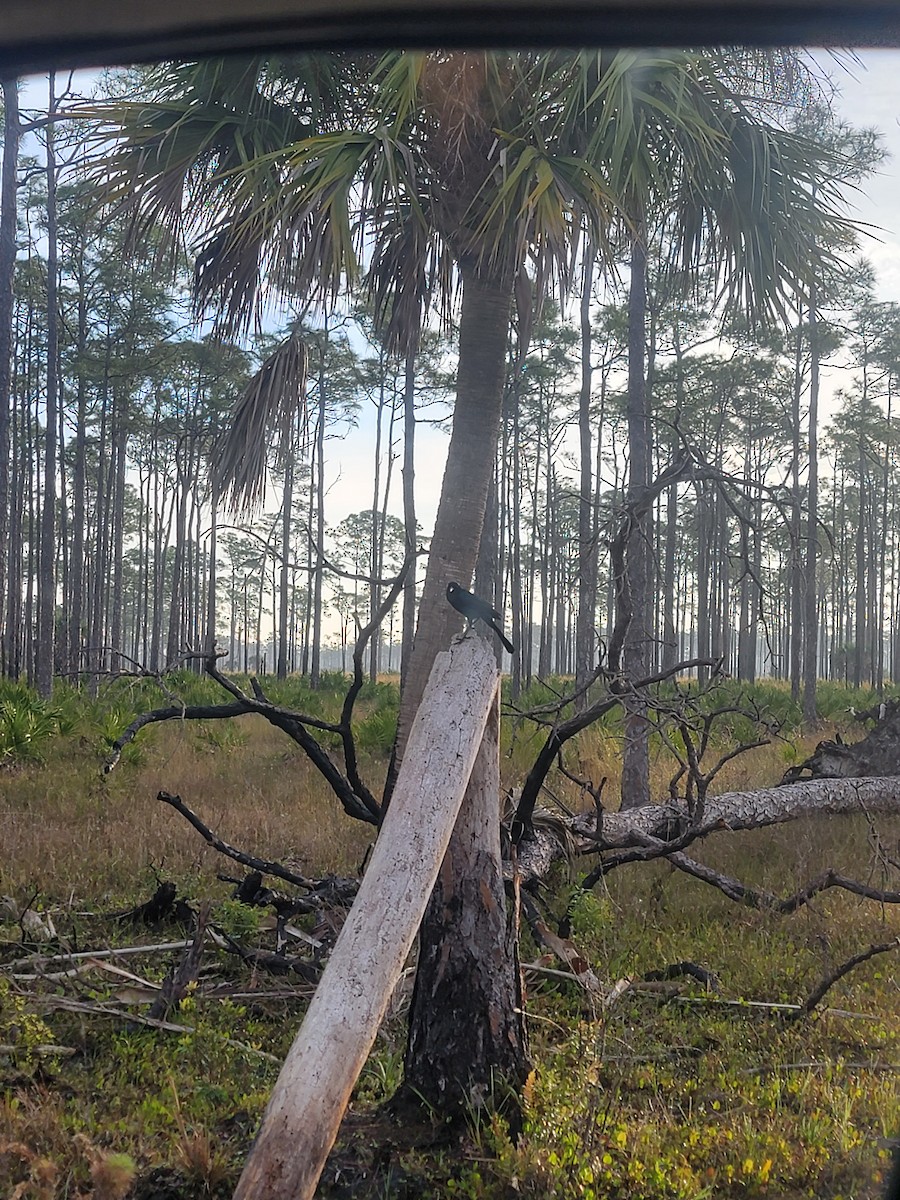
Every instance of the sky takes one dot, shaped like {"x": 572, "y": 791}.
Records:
{"x": 869, "y": 97}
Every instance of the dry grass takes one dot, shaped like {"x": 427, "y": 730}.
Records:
{"x": 67, "y": 829}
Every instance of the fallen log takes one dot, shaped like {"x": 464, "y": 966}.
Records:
{"x": 730, "y": 811}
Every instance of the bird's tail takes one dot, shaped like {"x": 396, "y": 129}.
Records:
{"x": 503, "y": 638}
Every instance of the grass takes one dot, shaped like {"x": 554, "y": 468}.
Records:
{"x": 663, "y": 1096}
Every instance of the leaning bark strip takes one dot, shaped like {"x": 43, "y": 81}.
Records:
{"x": 466, "y": 1030}
{"x": 312, "y": 1091}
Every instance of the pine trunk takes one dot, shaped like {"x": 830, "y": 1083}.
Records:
{"x": 585, "y": 633}
{"x": 7, "y": 280}
{"x": 636, "y": 751}
{"x": 811, "y": 623}
{"x": 47, "y": 564}
{"x": 409, "y": 509}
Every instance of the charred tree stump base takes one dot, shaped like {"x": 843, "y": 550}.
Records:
{"x": 877, "y": 754}
{"x": 466, "y": 1049}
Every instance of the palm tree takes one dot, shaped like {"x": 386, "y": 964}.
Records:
{"x": 440, "y": 176}
{"x": 297, "y": 174}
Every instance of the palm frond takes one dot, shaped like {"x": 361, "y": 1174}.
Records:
{"x": 263, "y": 416}
{"x": 769, "y": 220}
{"x": 294, "y": 175}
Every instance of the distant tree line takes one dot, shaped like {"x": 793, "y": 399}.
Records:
{"x": 774, "y": 551}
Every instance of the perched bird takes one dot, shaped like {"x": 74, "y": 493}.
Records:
{"x": 473, "y": 608}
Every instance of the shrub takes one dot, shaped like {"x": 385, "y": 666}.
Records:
{"x": 27, "y": 723}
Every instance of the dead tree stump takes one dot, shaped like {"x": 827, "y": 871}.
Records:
{"x": 877, "y": 754}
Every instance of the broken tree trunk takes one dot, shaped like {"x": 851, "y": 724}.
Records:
{"x": 304, "y": 1113}
{"x": 466, "y": 1030}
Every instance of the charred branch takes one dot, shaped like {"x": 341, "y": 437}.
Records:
{"x": 522, "y": 827}
{"x": 349, "y": 787}
{"x": 878, "y": 753}
{"x": 740, "y": 892}
{"x": 178, "y": 980}
{"x": 248, "y": 860}
{"x": 829, "y": 980}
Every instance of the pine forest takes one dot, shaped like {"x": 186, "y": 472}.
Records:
{"x": 449, "y": 628}
{"x": 774, "y": 552}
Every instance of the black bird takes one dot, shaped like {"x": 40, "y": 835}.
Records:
{"x": 473, "y": 608}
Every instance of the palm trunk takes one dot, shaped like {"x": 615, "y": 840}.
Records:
{"x": 487, "y": 581}
{"x": 484, "y": 328}
{"x": 463, "y": 972}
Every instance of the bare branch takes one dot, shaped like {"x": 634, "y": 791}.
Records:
{"x": 735, "y": 890}
{"x": 838, "y": 973}
{"x": 190, "y": 712}
{"x": 247, "y": 860}
{"x": 567, "y": 729}
{"x": 361, "y": 805}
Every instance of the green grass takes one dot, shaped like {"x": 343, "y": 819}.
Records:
{"x": 662, "y": 1096}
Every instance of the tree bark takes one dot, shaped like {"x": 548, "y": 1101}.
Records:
{"x": 729, "y": 812}
{"x": 796, "y": 573}
{"x": 409, "y": 508}
{"x": 287, "y": 504}
{"x": 7, "y": 280}
{"x": 636, "y": 752}
{"x": 811, "y": 623}
{"x": 315, "y": 649}
{"x": 484, "y": 329}
{"x": 47, "y": 566}
{"x": 585, "y": 633}
{"x": 878, "y": 753}
{"x": 466, "y": 1034}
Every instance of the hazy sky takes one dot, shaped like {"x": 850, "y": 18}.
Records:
{"x": 870, "y": 98}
